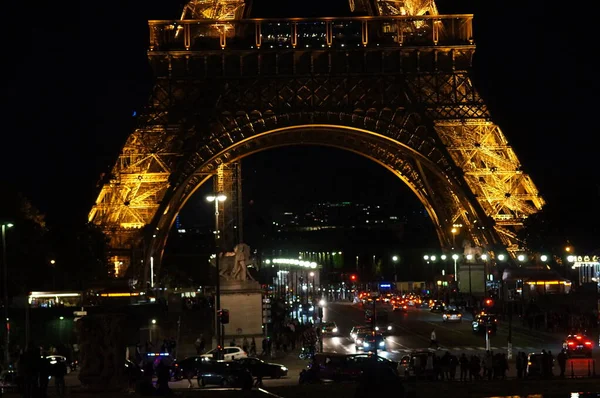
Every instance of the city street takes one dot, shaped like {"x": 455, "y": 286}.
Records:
{"x": 412, "y": 331}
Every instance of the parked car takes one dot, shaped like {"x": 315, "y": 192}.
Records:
{"x": 229, "y": 353}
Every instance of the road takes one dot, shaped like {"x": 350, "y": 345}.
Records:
{"x": 412, "y": 331}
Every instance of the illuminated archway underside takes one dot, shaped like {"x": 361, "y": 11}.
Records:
{"x": 404, "y": 147}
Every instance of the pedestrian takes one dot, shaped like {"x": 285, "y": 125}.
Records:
{"x": 45, "y": 374}
{"x": 464, "y": 367}
{"x": 245, "y": 345}
{"x": 59, "y": 372}
{"x": 520, "y": 365}
{"x": 253, "y": 347}
{"x": 433, "y": 341}
{"x": 561, "y": 358}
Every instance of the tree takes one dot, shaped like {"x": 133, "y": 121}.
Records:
{"x": 26, "y": 243}
{"x": 81, "y": 256}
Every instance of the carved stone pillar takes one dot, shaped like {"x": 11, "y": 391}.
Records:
{"x": 102, "y": 351}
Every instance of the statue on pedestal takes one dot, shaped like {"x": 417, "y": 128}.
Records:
{"x": 233, "y": 266}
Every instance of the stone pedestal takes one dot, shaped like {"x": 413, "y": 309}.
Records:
{"x": 243, "y": 299}
{"x": 102, "y": 342}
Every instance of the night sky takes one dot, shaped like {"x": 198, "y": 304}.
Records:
{"x": 76, "y": 75}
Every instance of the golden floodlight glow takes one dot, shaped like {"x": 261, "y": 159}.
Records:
{"x": 50, "y": 294}
{"x": 119, "y": 294}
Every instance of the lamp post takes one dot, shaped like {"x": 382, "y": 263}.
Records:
{"x": 312, "y": 274}
{"x": 455, "y": 258}
{"x": 469, "y": 258}
{"x": 395, "y": 261}
{"x": 5, "y": 288}
{"x": 220, "y": 197}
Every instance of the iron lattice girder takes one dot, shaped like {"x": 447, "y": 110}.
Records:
{"x": 493, "y": 173}
{"x": 138, "y": 180}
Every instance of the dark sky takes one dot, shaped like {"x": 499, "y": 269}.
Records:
{"x": 76, "y": 74}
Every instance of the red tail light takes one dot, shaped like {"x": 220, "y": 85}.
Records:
{"x": 571, "y": 343}
{"x": 588, "y": 343}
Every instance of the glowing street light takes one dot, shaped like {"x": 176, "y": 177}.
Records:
{"x": 216, "y": 198}
{"x": 544, "y": 258}
{"x": 501, "y": 257}
{"x": 395, "y": 259}
{"x": 521, "y": 257}
{"x": 5, "y": 288}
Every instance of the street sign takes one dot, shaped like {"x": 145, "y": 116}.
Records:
{"x": 79, "y": 313}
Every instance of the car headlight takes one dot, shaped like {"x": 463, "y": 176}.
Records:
{"x": 381, "y": 344}
{"x": 334, "y": 330}
{"x": 284, "y": 368}
{"x": 365, "y": 344}
{"x": 390, "y": 327}
{"x": 376, "y": 327}
{"x": 358, "y": 341}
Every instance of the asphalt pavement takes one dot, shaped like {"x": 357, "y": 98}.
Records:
{"x": 412, "y": 330}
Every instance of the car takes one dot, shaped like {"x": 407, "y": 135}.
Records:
{"x": 229, "y": 353}
{"x": 534, "y": 364}
{"x": 329, "y": 328}
{"x": 365, "y": 359}
{"x": 382, "y": 323}
{"x": 55, "y": 359}
{"x": 368, "y": 342}
{"x": 401, "y": 306}
{"x": 356, "y": 330}
{"x": 578, "y": 345}
{"x": 334, "y": 366}
{"x": 417, "y": 365}
{"x": 437, "y": 306}
{"x": 484, "y": 322}
{"x": 258, "y": 367}
{"x": 9, "y": 381}
{"x": 452, "y": 316}
{"x": 224, "y": 374}
{"x": 187, "y": 367}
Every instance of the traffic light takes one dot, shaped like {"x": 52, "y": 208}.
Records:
{"x": 489, "y": 302}
{"x": 353, "y": 278}
{"x": 223, "y": 316}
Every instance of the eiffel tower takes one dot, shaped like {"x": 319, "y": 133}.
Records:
{"x": 390, "y": 83}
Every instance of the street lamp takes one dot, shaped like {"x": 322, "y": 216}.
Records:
{"x": 469, "y": 258}
{"x": 219, "y": 197}
{"x": 454, "y": 232}
{"x": 395, "y": 261}
{"x": 5, "y": 287}
{"x": 455, "y": 258}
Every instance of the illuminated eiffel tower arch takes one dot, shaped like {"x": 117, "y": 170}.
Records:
{"x": 392, "y": 85}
